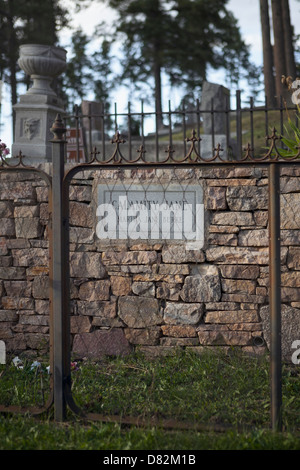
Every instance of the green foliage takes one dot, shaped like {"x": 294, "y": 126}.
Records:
{"x": 40, "y": 21}
{"x": 291, "y": 140}
{"x": 210, "y": 389}
{"x": 29, "y": 21}
{"x": 103, "y": 77}
{"x": 24, "y": 387}
{"x": 88, "y": 75}
{"x": 179, "y": 37}
{"x": 227, "y": 391}
{"x": 79, "y": 67}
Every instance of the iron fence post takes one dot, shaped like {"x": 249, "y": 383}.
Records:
{"x": 238, "y": 125}
{"x": 59, "y": 372}
{"x": 275, "y": 296}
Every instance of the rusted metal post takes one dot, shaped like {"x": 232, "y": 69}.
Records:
{"x": 238, "y": 125}
{"x": 275, "y": 296}
{"x": 59, "y": 372}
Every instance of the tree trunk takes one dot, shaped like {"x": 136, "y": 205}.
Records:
{"x": 267, "y": 53}
{"x": 279, "y": 51}
{"x": 154, "y": 14}
{"x": 288, "y": 40}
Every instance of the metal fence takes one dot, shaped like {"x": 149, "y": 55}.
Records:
{"x": 230, "y": 131}
{"x": 58, "y": 183}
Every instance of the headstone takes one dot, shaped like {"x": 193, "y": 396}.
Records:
{"x": 37, "y": 109}
{"x": 214, "y": 124}
{"x": 92, "y": 121}
{"x": 2, "y": 353}
{"x": 220, "y": 96}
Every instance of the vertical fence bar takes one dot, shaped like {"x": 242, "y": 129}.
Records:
{"x": 77, "y": 132}
{"x": 129, "y": 131}
{"x": 198, "y": 125}
{"x": 275, "y": 295}
{"x": 103, "y": 130}
{"x": 251, "y": 124}
{"x": 170, "y": 125}
{"x": 142, "y": 125}
{"x": 266, "y": 120}
{"x": 156, "y": 133}
{"x": 238, "y": 125}
{"x": 212, "y": 111}
{"x": 227, "y": 117}
{"x": 281, "y": 120}
{"x": 142, "y": 122}
{"x": 59, "y": 372}
{"x": 90, "y": 128}
{"x": 116, "y": 118}
{"x": 184, "y": 126}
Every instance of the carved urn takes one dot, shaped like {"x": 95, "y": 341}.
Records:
{"x": 36, "y": 110}
{"x": 43, "y": 64}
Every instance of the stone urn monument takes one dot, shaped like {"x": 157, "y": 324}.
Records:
{"x": 38, "y": 107}
{"x": 43, "y": 64}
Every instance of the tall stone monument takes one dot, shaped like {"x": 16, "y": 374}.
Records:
{"x": 37, "y": 109}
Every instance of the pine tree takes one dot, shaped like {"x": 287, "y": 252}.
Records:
{"x": 179, "y": 38}
{"x": 78, "y": 75}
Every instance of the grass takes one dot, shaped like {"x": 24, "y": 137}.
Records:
{"x": 260, "y": 132}
{"x": 211, "y": 389}
{"x": 259, "y": 127}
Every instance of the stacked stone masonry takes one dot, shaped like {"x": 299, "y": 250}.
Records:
{"x": 152, "y": 296}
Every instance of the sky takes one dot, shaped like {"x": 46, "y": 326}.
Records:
{"x": 245, "y": 11}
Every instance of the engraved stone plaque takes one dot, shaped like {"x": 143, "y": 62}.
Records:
{"x": 130, "y": 211}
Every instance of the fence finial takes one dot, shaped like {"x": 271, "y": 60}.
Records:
{"x": 58, "y": 129}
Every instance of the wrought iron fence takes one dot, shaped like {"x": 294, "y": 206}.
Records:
{"x": 231, "y": 132}
{"x": 61, "y": 394}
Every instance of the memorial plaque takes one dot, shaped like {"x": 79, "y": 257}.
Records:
{"x": 152, "y": 213}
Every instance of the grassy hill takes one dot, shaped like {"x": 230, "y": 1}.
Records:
{"x": 255, "y": 127}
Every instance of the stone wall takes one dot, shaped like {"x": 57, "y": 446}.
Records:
{"x": 154, "y": 296}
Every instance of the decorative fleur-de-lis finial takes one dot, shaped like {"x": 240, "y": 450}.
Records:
{"x": 274, "y": 135}
{"x": 94, "y": 154}
{"x": 218, "y": 149}
{"x": 248, "y": 149}
{"x": 117, "y": 139}
{"x": 169, "y": 150}
{"x": 193, "y": 137}
{"x": 141, "y": 151}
